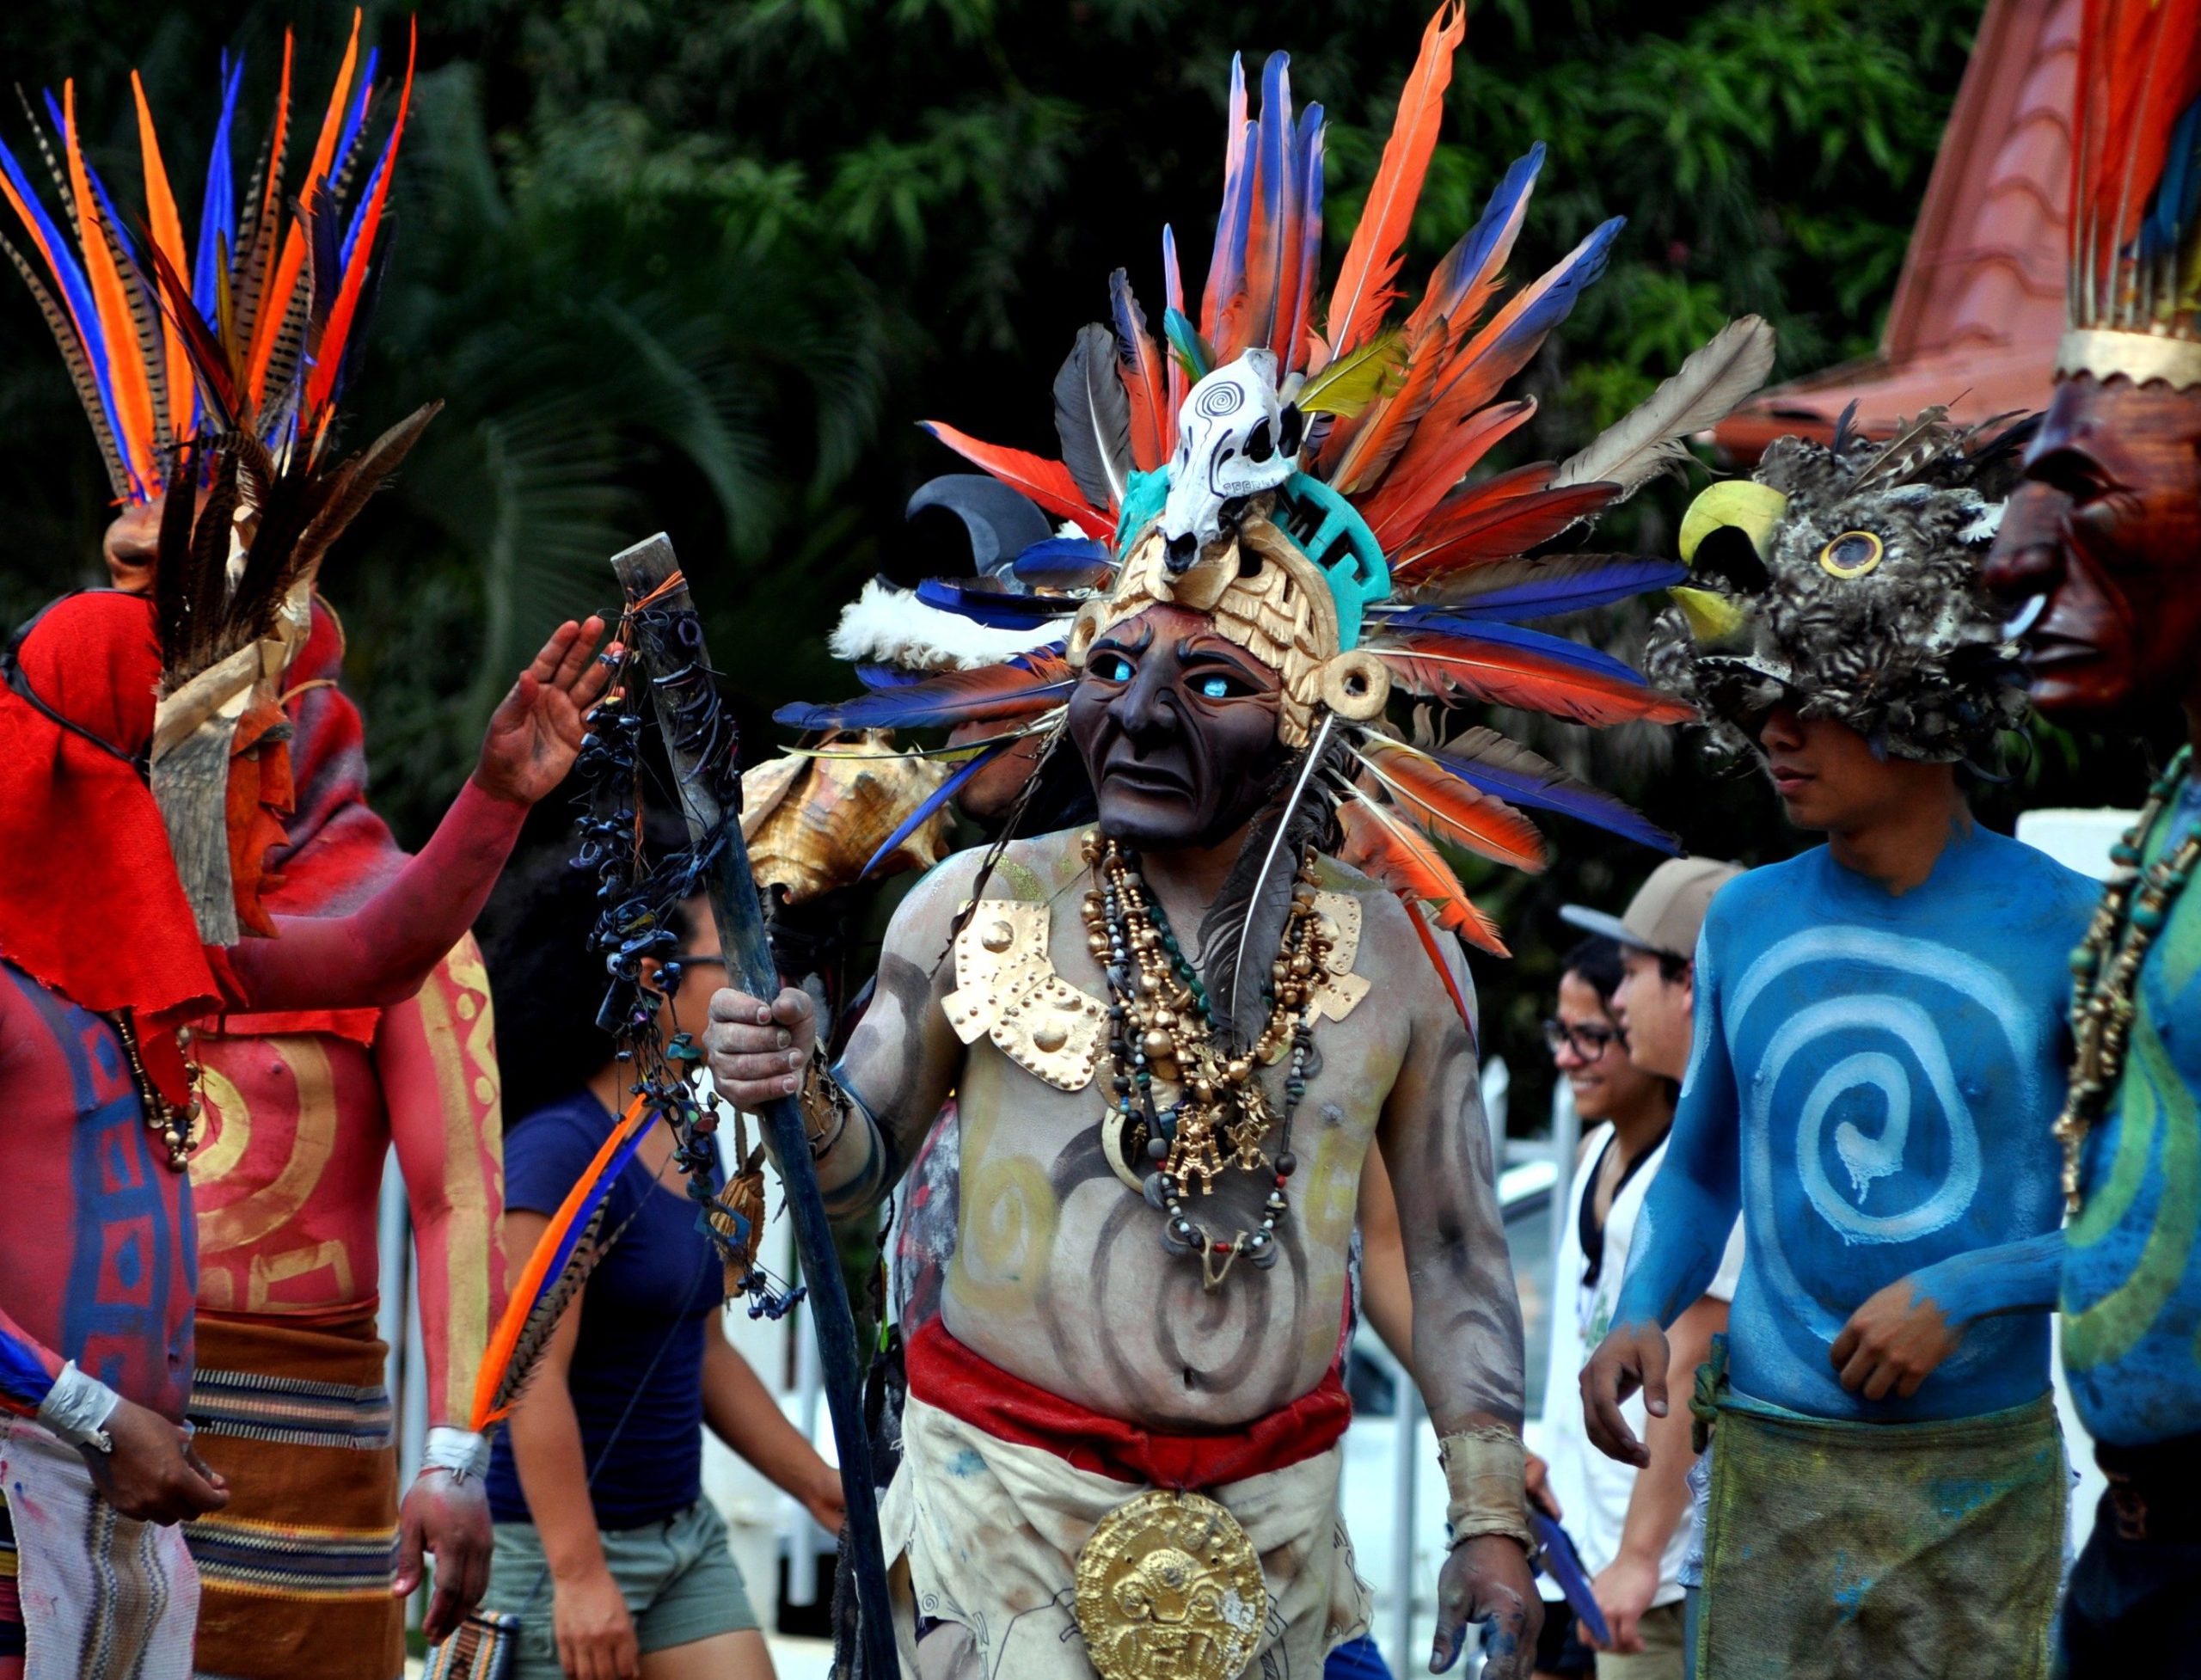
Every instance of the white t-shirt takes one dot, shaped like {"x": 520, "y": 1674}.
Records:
{"x": 1593, "y": 1490}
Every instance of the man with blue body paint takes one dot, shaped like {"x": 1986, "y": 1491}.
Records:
{"x": 1876, "y": 1062}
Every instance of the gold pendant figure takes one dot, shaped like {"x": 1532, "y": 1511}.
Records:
{"x": 1170, "y": 1588}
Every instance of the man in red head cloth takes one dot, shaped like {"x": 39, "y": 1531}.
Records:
{"x": 103, "y": 964}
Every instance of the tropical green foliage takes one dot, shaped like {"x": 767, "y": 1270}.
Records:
{"x": 698, "y": 267}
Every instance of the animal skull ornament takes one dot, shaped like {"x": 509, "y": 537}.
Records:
{"x": 1236, "y": 437}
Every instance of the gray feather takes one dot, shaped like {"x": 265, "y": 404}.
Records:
{"x": 1651, "y": 438}
{"x": 1092, "y": 416}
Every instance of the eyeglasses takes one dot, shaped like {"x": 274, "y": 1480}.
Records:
{"x": 1586, "y": 1039}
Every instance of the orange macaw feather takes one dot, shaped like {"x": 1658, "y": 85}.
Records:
{"x": 1391, "y": 421}
{"x": 1046, "y": 483}
{"x": 1364, "y": 290}
{"x": 167, "y": 230}
{"x": 1451, "y": 668}
{"x": 1380, "y": 845}
{"x": 537, "y": 1300}
{"x": 1467, "y": 531}
{"x": 1451, "y": 810}
{"x": 1443, "y": 448}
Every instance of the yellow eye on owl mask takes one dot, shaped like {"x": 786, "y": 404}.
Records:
{"x": 1851, "y": 554}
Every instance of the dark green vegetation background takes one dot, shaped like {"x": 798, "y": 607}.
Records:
{"x": 701, "y": 266}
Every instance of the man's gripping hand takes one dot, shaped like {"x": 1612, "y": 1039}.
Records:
{"x": 1631, "y": 1356}
{"x": 1487, "y": 1579}
{"x": 447, "y": 1516}
{"x": 1894, "y": 1341}
{"x": 153, "y": 1474}
{"x": 758, "y": 1050}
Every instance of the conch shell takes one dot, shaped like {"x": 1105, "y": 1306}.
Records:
{"x": 812, "y": 819}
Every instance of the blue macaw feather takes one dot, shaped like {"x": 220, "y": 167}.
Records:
{"x": 954, "y": 697}
{"x": 2177, "y": 193}
{"x": 594, "y": 1200}
{"x": 218, "y": 216}
{"x": 1580, "y": 272}
{"x": 1226, "y": 268}
{"x": 1191, "y": 349}
{"x": 1541, "y": 588}
{"x": 932, "y": 802}
{"x": 1309, "y": 257}
{"x": 1519, "y": 776}
{"x": 886, "y": 675}
{"x": 1447, "y": 622}
{"x": 991, "y": 606}
{"x": 1063, "y": 562}
{"x": 1449, "y": 279}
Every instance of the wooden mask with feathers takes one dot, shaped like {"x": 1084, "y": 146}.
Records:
{"x": 1299, "y": 470}
{"x": 211, "y": 373}
{"x": 1843, "y": 579}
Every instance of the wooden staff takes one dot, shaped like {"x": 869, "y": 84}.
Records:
{"x": 670, "y": 648}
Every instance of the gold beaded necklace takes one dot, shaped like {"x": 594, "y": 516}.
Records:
{"x": 2106, "y": 968}
{"x": 175, "y": 1126}
{"x": 1160, "y": 1029}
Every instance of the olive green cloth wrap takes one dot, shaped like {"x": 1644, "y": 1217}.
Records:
{"x": 1892, "y": 1551}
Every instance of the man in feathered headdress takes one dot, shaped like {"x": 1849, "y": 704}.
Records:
{"x": 146, "y": 772}
{"x": 302, "y": 1110}
{"x": 1122, "y": 1445}
{"x": 2097, "y": 562}
{"x": 1878, "y": 1033}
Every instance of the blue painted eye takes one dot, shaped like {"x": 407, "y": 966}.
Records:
{"x": 1215, "y": 687}
{"x": 1112, "y": 668}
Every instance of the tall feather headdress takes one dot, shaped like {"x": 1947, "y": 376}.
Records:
{"x": 2134, "y": 297}
{"x": 218, "y": 362}
{"x": 1298, "y": 470}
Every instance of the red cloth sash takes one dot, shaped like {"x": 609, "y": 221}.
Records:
{"x": 944, "y": 1373}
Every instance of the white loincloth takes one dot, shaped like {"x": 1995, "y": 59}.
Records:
{"x": 104, "y": 1597}
{"x": 990, "y": 1532}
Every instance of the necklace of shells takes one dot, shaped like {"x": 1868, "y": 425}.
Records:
{"x": 1161, "y": 1034}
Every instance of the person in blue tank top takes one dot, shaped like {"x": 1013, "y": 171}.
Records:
{"x": 605, "y": 1548}
{"x": 1876, "y": 1062}
{"x": 2097, "y": 563}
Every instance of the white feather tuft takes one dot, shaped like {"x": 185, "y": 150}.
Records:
{"x": 889, "y": 626}
{"x": 1986, "y": 520}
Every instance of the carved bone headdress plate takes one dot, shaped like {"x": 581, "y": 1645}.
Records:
{"x": 1235, "y": 439}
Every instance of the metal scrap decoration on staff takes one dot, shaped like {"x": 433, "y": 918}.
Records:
{"x": 659, "y": 652}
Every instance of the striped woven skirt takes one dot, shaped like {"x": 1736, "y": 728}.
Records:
{"x": 295, "y": 1572}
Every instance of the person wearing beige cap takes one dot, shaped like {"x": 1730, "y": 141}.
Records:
{"x": 1621, "y": 1038}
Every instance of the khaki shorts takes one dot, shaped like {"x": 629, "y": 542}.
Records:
{"x": 678, "y": 1578}
{"x": 1661, "y": 1656}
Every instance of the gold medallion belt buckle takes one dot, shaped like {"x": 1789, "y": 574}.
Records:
{"x": 1169, "y": 1587}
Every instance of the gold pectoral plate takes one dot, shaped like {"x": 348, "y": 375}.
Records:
{"x": 1169, "y": 1587}
{"x": 1008, "y": 991}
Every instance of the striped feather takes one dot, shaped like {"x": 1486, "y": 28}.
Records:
{"x": 165, "y": 229}
{"x": 566, "y": 1254}
{"x": 328, "y": 354}
{"x": 254, "y": 256}
{"x": 131, "y": 401}
{"x": 79, "y": 364}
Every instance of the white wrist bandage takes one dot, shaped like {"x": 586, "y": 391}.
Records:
{"x": 1486, "y": 1471}
{"x": 77, "y": 1409}
{"x": 460, "y": 1451}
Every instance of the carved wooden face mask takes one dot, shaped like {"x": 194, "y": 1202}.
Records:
{"x": 1178, "y": 728}
{"x": 2098, "y": 559}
